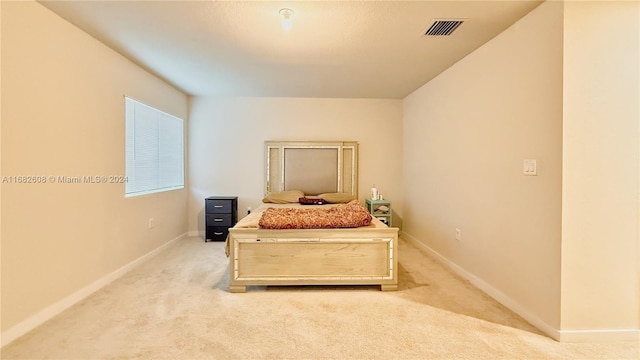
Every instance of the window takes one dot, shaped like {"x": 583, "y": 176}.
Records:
{"x": 154, "y": 150}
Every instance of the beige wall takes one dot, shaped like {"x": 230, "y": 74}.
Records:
{"x": 466, "y": 134}
{"x": 561, "y": 86}
{"x": 63, "y": 115}
{"x": 227, "y": 144}
{"x": 600, "y": 175}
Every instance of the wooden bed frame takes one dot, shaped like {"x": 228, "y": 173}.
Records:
{"x": 354, "y": 256}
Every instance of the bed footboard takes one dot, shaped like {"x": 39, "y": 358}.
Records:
{"x": 313, "y": 257}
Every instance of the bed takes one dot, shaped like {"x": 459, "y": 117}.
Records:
{"x": 365, "y": 255}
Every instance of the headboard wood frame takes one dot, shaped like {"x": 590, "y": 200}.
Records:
{"x": 327, "y": 166}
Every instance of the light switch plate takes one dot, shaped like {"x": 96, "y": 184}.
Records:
{"x": 529, "y": 167}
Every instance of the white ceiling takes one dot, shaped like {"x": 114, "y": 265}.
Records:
{"x": 344, "y": 49}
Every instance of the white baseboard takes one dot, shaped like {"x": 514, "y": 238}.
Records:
{"x": 598, "y": 335}
{"x": 488, "y": 289}
{"x": 56, "y": 308}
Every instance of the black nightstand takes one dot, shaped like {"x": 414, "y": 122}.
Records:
{"x": 221, "y": 213}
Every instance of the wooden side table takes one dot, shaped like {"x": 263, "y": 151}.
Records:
{"x": 380, "y": 209}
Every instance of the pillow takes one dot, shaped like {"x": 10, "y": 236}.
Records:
{"x": 283, "y": 197}
{"x": 335, "y": 198}
{"x": 312, "y": 200}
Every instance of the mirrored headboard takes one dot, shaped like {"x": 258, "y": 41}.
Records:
{"x": 314, "y": 167}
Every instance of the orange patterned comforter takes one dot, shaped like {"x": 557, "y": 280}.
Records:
{"x": 350, "y": 215}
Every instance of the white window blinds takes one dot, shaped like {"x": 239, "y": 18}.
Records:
{"x": 154, "y": 150}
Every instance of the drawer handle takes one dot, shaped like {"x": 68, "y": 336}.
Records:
{"x": 218, "y": 219}
{"x": 217, "y": 233}
{"x": 217, "y": 206}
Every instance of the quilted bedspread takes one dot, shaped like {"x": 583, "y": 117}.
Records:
{"x": 349, "y": 215}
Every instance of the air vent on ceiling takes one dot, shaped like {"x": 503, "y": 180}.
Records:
{"x": 443, "y": 27}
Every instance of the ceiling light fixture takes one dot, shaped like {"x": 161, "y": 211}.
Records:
{"x": 286, "y": 18}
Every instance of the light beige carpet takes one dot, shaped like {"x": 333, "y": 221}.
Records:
{"x": 176, "y": 306}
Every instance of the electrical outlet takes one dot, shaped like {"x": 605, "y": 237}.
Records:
{"x": 458, "y": 234}
{"x": 151, "y": 223}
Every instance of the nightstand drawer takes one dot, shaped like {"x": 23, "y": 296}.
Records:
{"x": 218, "y": 206}
{"x": 217, "y": 233}
{"x": 219, "y": 220}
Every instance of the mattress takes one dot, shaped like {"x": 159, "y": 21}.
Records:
{"x": 252, "y": 220}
